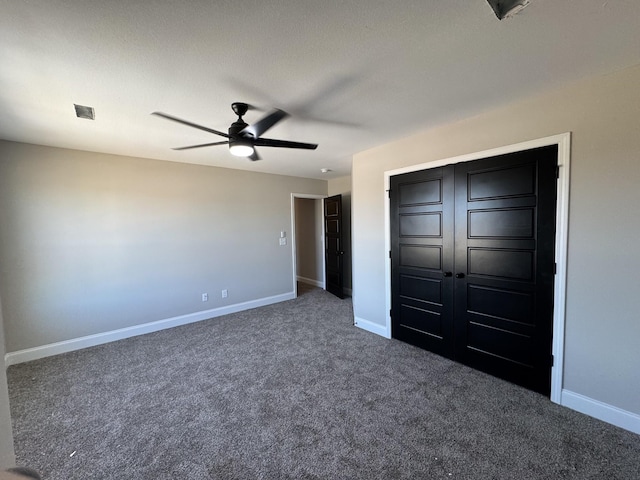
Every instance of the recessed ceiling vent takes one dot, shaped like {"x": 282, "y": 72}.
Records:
{"x": 83, "y": 111}
{"x": 507, "y": 8}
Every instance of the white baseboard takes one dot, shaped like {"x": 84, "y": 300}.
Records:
{"x": 310, "y": 281}
{"x": 26, "y": 355}
{"x": 372, "y": 327}
{"x": 602, "y": 411}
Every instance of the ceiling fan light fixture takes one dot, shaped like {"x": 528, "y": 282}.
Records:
{"x": 241, "y": 149}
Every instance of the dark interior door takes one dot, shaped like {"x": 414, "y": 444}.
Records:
{"x": 504, "y": 268}
{"x": 422, "y": 259}
{"x": 334, "y": 249}
{"x": 500, "y": 315}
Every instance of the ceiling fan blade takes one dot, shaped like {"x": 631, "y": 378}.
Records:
{"x": 190, "y": 124}
{"x": 254, "y": 156}
{"x": 265, "y": 123}
{"x": 268, "y": 142}
{"x": 202, "y": 145}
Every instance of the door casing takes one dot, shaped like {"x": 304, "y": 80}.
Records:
{"x": 562, "y": 225}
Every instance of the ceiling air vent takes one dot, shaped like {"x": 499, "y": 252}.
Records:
{"x": 507, "y": 8}
{"x": 84, "y": 112}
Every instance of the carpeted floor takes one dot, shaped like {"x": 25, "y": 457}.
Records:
{"x": 294, "y": 391}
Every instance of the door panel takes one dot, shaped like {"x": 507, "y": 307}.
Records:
{"x": 501, "y": 182}
{"x": 421, "y": 256}
{"x": 500, "y": 263}
{"x": 421, "y": 225}
{"x": 423, "y": 321}
{"x": 500, "y": 304}
{"x": 421, "y": 289}
{"x": 515, "y": 223}
{"x": 428, "y": 191}
{"x": 491, "y": 223}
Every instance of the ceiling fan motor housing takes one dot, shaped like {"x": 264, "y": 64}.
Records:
{"x": 235, "y": 129}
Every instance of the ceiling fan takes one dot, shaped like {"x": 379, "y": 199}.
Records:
{"x": 243, "y": 138}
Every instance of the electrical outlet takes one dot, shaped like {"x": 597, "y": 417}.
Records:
{"x": 205, "y": 297}
{"x": 224, "y": 293}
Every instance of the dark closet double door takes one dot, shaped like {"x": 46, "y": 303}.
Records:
{"x": 472, "y": 263}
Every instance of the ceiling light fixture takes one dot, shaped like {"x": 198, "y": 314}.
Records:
{"x": 507, "y": 8}
{"x": 326, "y": 170}
{"x": 241, "y": 149}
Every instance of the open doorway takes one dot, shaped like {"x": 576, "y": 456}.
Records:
{"x": 308, "y": 241}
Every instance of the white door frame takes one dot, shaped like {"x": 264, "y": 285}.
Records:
{"x": 563, "y": 141}
{"x": 294, "y": 245}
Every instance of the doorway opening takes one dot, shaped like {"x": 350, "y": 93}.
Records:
{"x": 307, "y": 227}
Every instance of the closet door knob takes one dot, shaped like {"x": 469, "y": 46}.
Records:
{"x": 459, "y": 275}
{"x": 447, "y": 274}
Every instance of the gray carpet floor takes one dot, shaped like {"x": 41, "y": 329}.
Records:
{"x": 294, "y": 391}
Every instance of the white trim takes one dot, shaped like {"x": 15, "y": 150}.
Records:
{"x": 376, "y": 328}
{"x": 602, "y": 411}
{"x": 323, "y": 282}
{"x": 35, "y": 353}
{"x": 562, "y": 227}
{"x": 310, "y": 281}
{"x": 560, "y": 285}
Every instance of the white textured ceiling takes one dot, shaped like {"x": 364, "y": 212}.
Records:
{"x": 353, "y": 74}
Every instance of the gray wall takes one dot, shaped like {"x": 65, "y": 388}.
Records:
{"x": 7, "y": 457}
{"x": 90, "y": 243}
{"x": 602, "y": 325}
{"x": 342, "y": 186}
{"x": 309, "y": 253}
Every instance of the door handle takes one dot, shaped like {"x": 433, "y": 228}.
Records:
{"x": 460, "y": 275}
{"x": 447, "y": 274}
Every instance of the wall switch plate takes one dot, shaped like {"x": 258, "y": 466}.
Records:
{"x": 283, "y": 241}
{"x": 283, "y": 234}
{"x": 205, "y": 297}
{"x": 224, "y": 293}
